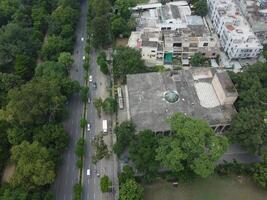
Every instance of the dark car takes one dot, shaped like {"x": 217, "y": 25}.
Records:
{"x": 94, "y": 85}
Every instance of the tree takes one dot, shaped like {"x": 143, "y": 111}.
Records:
{"x": 66, "y": 59}
{"x": 100, "y": 31}
{"x": 201, "y": 7}
{"x": 197, "y": 60}
{"x": 51, "y": 70}
{"x": 79, "y": 163}
{"x": 260, "y": 174}
{"x": 83, "y": 123}
{"x": 105, "y": 184}
{"x": 16, "y": 40}
{"x": 77, "y": 188}
{"x": 84, "y": 93}
{"x": 98, "y": 105}
{"x": 35, "y": 102}
{"x": 127, "y": 61}
{"x": 131, "y": 190}
{"x": 142, "y": 152}
{"x": 34, "y": 167}
{"x": 101, "y": 148}
{"x": 24, "y": 66}
{"x": 249, "y": 129}
{"x": 7, "y": 82}
{"x": 119, "y": 27}
{"x": 4, "y": 145}
{"x": 53, "y": 46}
{"x": 53, "y": 137}
{"x": 109, "y": 105}
{"x": 193, "y": 145}
{"x": 124, "y": 134}
{"x": 127, "y": 173}
{"x": 80, "y": 147}
{"x": 102, "y": 62}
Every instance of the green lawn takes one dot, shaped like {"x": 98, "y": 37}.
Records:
{"x": 213, "y": 188}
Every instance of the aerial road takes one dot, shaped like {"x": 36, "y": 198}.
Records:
{"x": 67, "y": 174}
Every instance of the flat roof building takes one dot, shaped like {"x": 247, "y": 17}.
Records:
{"x": 203, "y": 93}
{"x": 236, "y": 36}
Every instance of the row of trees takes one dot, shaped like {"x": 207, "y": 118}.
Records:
{"x": 249, "y": 127}
{"x": 33, "y": 96}
{"x": 192, "y": 147}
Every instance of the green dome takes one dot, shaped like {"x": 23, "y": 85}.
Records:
{"x": 171, "y": 96}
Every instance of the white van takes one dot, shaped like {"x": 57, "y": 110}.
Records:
{"x": 88, "y": 172}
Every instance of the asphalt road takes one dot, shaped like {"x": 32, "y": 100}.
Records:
{"x": 67, "y": 174}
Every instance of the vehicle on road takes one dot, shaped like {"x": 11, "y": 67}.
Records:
{"x": 83, "y": 57}
{"x": 105, "y": 126}
{"x": 89, "y": 100}
{"x": 90, "y": 78}
{"x": 98, "y": 175}
{"x": 94, "y": 85}
{"x": 88, "y": 172}
{"x": 82, "y": 39}
{"x": 88, "y": 127}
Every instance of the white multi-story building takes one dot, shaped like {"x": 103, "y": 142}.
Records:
{"x": 236, "y": 36}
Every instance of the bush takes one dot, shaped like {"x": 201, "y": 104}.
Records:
{"x": 77, "y": 189}
{"x": 105, "y": 183}
{"x": 80, "y": 148}
{"x": 83, "y": 123}
{"x": 79, "y": 163}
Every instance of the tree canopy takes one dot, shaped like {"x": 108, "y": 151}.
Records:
{"x": 201, "y": 7}
{"x": 142, "y": 152}
{"x": 131, "y": 190}
{"x": 33, "y": 166}
{"x": 109, "y": 105}
{"x": 124, "y": 134}
{"x": 193, "y": 145}
{"x": 127, "y": 61}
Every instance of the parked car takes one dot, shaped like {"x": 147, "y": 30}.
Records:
{"x": 82, "y": 39}
{"x": 88, "y": 127}
{"x": 90, "y": 78}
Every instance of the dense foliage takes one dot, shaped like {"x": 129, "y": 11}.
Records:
{"x": 127, "y": 61}
{"x": 33, "y": 93}
{"x": 249, "y": 126}
{"x": 105, "y": 183}
{"x": 193, "y": 145}
{"x": 131, "y": 190}
{"x": 124, "y": 134}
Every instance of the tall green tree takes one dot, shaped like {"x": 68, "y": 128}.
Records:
{"x": 109, "y": 105}
{"x": 124, "y": 134}
{"x": 36, "y": 102}
{"x": 127, "y": 61}
{"x": 53, "y": 137}
{"x": 66, "y": 59}
{"x": 193, "y": 145}
{"x": 24, "y": 66}
{"x": 201, "y": 7}
{"x": 142, "y": 152}
{"x": 34, "y": 167}
{"x": 197, "y": 60}
{"x": 250, "y": 130}
{"x": 131, "y": 190}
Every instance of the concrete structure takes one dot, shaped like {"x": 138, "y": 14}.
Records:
{"x": 255, "y": 11}
{"x": 169, "y": 31}
{"x": 203, "y": 93}
{"x": 236, "y": 37}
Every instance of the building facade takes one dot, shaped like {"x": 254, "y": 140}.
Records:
{"x": 236, "y": 36}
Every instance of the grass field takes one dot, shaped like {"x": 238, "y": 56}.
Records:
{"x": 213, "y": 188}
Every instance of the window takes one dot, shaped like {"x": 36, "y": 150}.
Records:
{"x": 153, "y": 51}
{"x": 177, "y": 44}
{"x": 205, "y": 44}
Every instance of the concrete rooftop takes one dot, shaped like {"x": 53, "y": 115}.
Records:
{"x": 149, "y": 110}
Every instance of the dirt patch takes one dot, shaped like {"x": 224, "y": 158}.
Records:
{"x": 122, "y": 42}
{"x": 8, "y": 172}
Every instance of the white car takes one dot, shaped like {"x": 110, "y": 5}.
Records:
{"x": 90, "y": 78}
{"x": 88, "y": 172}
{"x": 82, "y": 39}
{"x": 88, "y": 127}
{"x": 83, "y": 57}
